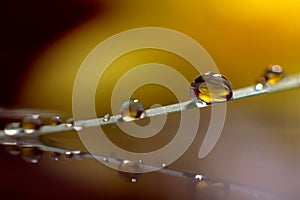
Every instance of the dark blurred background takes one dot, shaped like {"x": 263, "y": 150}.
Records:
{"x": 27, "y": 27}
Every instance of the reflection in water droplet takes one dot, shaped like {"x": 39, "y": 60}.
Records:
{"x": 274, "y": 74}
{"x": 130, "y": 171}
{"x": 31, "y": 123}
{"x": 131, "y": 110}
{"x": 12, "y": 149}
{"x": 106, "y": 118}
{"x": 54, "y": 155}
{"x": 210, "y": 88}
{"x": 12, "y": 129}
{"x": 56, "y": 120}
{"x": 31, "y": 154}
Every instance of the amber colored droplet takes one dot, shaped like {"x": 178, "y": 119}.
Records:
{"x": 274, "y": 74}
{"x": 56, "y": 120}
{"x": 131, "y": 110}
{"x": 210, "y": 88}
{"x": 130, "y": 171}
{"x": 31, "y": 154}
{"x": 31, "y": 123}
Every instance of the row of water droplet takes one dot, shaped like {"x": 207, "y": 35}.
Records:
{"x": 209, "y": 88}
{"x": 33, "y": 154}
{"x": 32, "y": 123}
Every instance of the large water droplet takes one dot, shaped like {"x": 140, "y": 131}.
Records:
{"x": 131, "y": 110}
{"x": 31, "y": 123}
{"x": 12, "y": 128}
{"x": 274, "y": 74}
{"x": 130, "y": 171}
{"x": 56, "y": 120}
{"x": 31, "y": 154}
{"x": 210, "y": 88}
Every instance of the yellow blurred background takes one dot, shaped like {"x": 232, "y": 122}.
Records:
{"x": 260, "y": 142}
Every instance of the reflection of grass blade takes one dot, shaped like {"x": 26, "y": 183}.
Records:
{"x": 230, "y": 189}
{"x": 212, "y": 183}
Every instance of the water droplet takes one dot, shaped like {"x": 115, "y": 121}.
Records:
{"x": 31, "y": 154}
{"x": 106, "y": 118}
{"x": 70, "y": 122}
{"x": 163, "y": 165}
{"x": 74, "y": 155}
{"x": 56, "y": 120}
{"x": 54, "y": 155}
{"x": 31, "y": 123}
{"x": 12, "y": 149}
{"x": 274, "y": 74}
{"x": 130, "y": 171}
{"x": 105, "y": 160}
{"x": 261, "y": 84}
{"x": 198, "y": 177}
{"x": 12, "y": 129}
{"x": 210, "y": 88}
{"x": 131, "y": 110}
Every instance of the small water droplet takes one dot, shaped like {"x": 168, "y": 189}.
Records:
{"x": 105, "y": 160}
{"x": 130, "y": 171}
{"x": 132, "y": 109}
{"x": 31, "y": 154}
{"x": 54, "y": 155}
{"x": 210, "y": 88}
{"x": 163, "y": 165}
{"x": 56, "y": 120}
{"x": 12, "y": 128}
{"x": 106, "y": 118}
{"x": 198, "y": 177}
{"x": 261, "y": 84}
{"x": 12, "y": 149}
{"x": 274, "y": 74}
{"x": 76, "y": 154}
{"x": 31, "y": 123}
{"x": 70, "y": 122}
